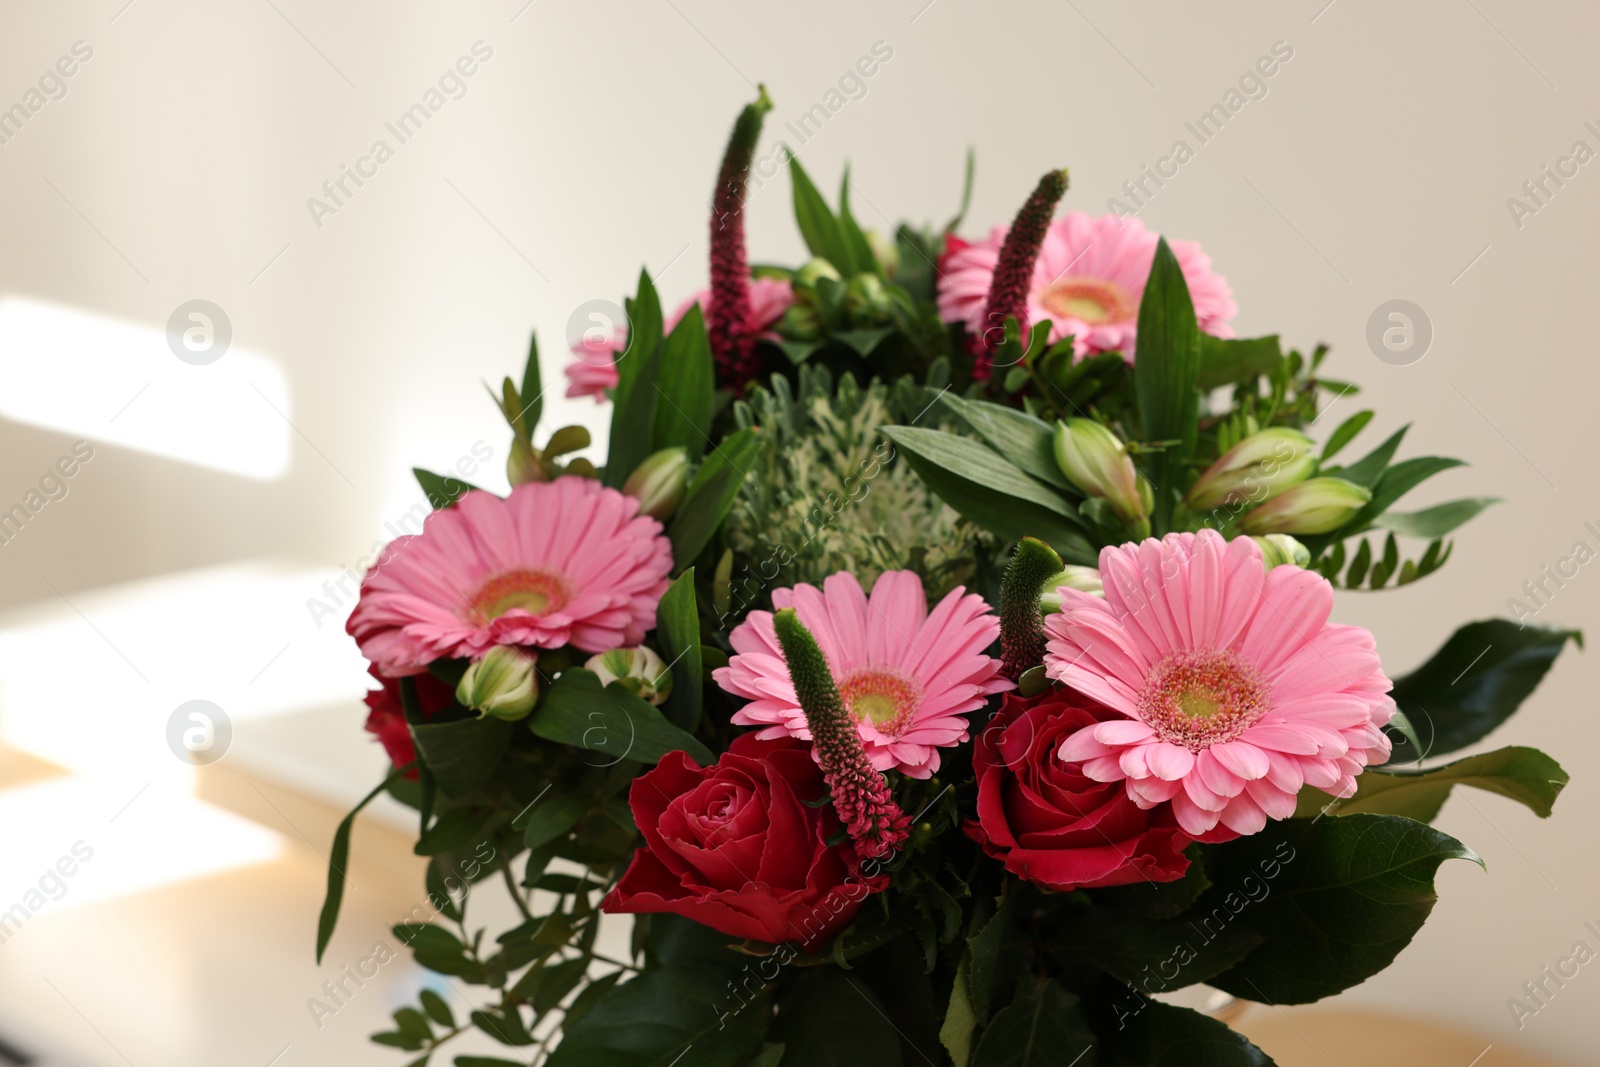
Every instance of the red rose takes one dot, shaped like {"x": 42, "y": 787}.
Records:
{"x": 1048, "y": 823}
{"x": 386, "y": 719}
{"x": 735, "y": 847}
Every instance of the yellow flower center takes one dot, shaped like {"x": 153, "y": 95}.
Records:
{"x": 1092, "y": 300}
{"x": 1202, "y": 697}
{"x": 534, "y": 592}
{"x": 882, "y": 697}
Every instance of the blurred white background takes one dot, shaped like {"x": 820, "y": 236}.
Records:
{"x": 180, "y": 563}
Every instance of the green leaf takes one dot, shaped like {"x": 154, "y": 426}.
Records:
{"x": 860, "y": 251}
{"x": 1335, "y": 900}
{"x": 799, "y": 351}
{"x": 966, "y": 194}
{"x": 1044, "y": 1027}
{"x": 633, "y": 413}
{"x": 862, "y": 342}
{"x": 827, "y": 1018}
{"x": 711, "y": 495}
{"x": 1474, "y": 682}
{"x": 1526, "y": 775}
{"x": 486, "y": 1061}
{"x": 1394, "y": 483}
{"x": 1024, "y": 440}
{"x": 1346, "y": 433}
{"x": 532, "y": 395}
{"x": 456, "y": 828}
{"x": 339, "y": 858}
{"x": 462, "y": 754}
{"x": 769, "y": 1056}
{"x": 437, "y": 1009}
{"x": 441, "y": 491}
{"x": 1152, "y": 1034}
{"x": 1434, "y": 522}
{"x": 1365, "y": 471}
{"x": 998, "y": 953}
{"x": 1223, "y": 362}
{"x": 683, "y": 414}
{"x": 990, "y": 491}
{"x": 818, "y": 227}
{"x": 671, "y": 1017}
{"x": 1159, "y": 900}
{"x": 612, "y": 721}
{"x": 1158, "y": 955}
{"x": 960, "y": 1020}
{"x": 552, "y": 817}
{"x": 1166, "y": 368}
{"x": 678, "y": 634}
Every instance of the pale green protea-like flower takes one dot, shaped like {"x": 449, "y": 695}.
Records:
{"x": 638, "y": 670}
{"x": 502, "y": 684}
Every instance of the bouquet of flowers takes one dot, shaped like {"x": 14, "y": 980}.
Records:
{"x": 939, "y": 669}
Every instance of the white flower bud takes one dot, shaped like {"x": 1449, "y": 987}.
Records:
{"x": 1254, "y": 470}
{"x": 503, "y": 683}
{"x": 638, "y": 670}
{"x": 1317, "y": 506}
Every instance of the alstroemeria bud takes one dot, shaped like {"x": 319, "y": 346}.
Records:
{"x": 886, "y": 249}
{"x": 800, "y": 323}
{"x": 1083, "y": 579}
{"x": 1094, "y": 460}
{"x": 866, "y": 296}
{"x": 1279, "y": 550}
{"x": 524, "y": 464}
{"x": 502, "y": 684}
{"x": 806, "y": 277}
{"x": 1256, "y": 469}
{"x": 1313, "y": 507}
{"x": 638, "y": 670}
{"x": 660, "y": 482}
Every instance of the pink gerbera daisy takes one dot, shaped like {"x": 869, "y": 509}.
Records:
{"x": 594, "y": 370}
{"x": 554, "y": 563}
{"x": 907, "y": 675}
{"x": 1087, "y": 281}
{"x": 1236, "y": 689}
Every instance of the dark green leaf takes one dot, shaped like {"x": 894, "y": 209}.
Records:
{"x": 999, "y": 952}
{"x": 1159, "y": 900}
{"x": 486, "y": 1061}
{"x": 769, "y": 1056}
{"x": 818, "y": 227}
{"x": 1471, "y": 685}
{"x": 532, "y": 395}
{"x": 437, "y": 1009}
{"x": 612, "y": 721}
{"x": 1434, "y": 522}
{"x": 1166, "y": 368}
{"x": 711, "y": 495}
{"x": 462, "y": 754}
{"x": 1159, "y": 956}
{"x": 960, "y": 1019}
{"x": 1525, "y": 775}
{"x": 1345, "y": 434}
{"x": 1223, "y": 362}
{"x": 1149, "y": 1033}
{"x": 339, "y": 858}
{"x": 861, "y": 253}
{"x": 828, "y": 1018}
{"x": 1024, "y": 440}
{"x": 550, "y": 818}
{"x": 862, "y": 342}
{"x": 441, "y": 491}
{"x": 454, "y": 829}
{"x": 1044, "y": 1027}
{"x": 633, "y": 414}
{"x": 591, "y": 995}
{"x": 683, "y": 414}
{"x": 799, "y": 351}
{"x": 678, "y": 634}
{"x": 1339, "y": 897}
{"x": 1366, "y": 470}
{"x": 672, "y": 1017}
{"x": 990, "y": 491}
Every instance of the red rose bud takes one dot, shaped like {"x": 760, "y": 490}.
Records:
{"x": 1049, "y": 823}
{"x": 742, "y": 846}
{"x": 1318, "y": 506}
{"x": 386, "y": 717}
